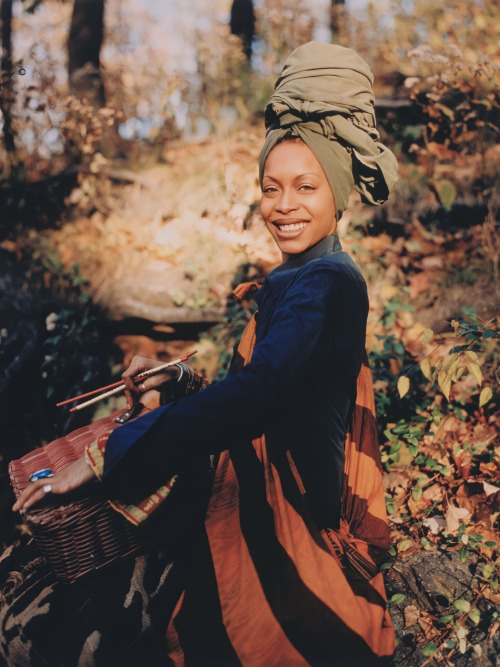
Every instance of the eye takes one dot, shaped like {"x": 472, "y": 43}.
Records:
{"x": 306, "y": 186}
{"x": 269, "y": 190}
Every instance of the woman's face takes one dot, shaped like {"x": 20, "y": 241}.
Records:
{"x": 297, "y": 203}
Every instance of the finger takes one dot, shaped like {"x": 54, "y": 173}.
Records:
{"x": 33, "y": 493}
{"x": 130, "y": 400}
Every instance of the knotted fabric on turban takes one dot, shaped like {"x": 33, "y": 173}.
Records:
{"x": 324, "y": 96}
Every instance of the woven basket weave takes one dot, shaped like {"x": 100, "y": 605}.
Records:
{"x": 84, "y": 534}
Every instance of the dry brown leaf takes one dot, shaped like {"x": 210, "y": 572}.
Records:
{"x": 419, "y": 283}
{"x": 435, "y": 523}
{"x": 433, "y": 493}
{"x": 455, "y": 516}
{"x": 412, "y": 614}
{"x": 427, "y": 625}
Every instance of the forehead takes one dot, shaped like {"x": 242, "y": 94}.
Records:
{"x": 293, "y": 158}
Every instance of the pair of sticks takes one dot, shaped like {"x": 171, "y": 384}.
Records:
{"x": 117, "y": 387}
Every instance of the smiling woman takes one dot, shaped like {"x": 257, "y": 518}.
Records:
{"x": 284, "y": 569}
{"x": 297, "y": 203}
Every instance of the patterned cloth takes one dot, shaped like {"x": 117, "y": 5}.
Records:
{"x": 269, "y": 588}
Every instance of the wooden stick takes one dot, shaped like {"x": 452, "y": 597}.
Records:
{"x": 116, "y": 387}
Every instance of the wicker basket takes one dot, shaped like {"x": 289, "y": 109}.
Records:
{"x": 84, "y": 534}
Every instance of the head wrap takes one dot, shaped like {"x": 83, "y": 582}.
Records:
{"x": 324, "y": 96}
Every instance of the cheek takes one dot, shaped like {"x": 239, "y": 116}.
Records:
{"x": 265, "y": 211}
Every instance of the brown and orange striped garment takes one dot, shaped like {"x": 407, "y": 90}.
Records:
{"x": 268, "y": 588}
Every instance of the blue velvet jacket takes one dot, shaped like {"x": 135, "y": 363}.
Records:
{"x": 298, "y": 389}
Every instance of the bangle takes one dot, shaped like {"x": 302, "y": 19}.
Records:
{"x": 182, "y": 371}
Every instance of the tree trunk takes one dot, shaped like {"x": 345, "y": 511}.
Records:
{"x": 242, "y": 24}
{"x": 337, "y": 19}
{"x": 84, "y": 45}
{"x": 6, "y": 90}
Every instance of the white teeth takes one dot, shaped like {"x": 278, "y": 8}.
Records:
{"x": 293, "y": 227}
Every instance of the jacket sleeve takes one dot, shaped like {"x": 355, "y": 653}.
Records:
{"x": 237, "y": 408}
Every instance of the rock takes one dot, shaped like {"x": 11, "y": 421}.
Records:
{"x": 431, "y": 582}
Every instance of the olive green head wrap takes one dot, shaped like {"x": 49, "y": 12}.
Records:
{"x": 324, "y": 96}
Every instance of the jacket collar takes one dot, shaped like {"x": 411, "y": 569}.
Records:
{"x": 284, "y": 273}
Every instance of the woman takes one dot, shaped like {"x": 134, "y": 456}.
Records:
{"x": 285, "y": 566}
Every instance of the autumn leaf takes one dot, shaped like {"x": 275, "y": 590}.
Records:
{"x": 454, "y": 517}
{"x": 427, "y": 336}
{"x": 475, "y": 371}
{"x": 403, "y": 386}
{"x": 425, "y": 367}
{"x": 485, "y": 396}
{"x": 444, "y": 382}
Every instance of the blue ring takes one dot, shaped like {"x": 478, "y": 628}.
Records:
{"x": 41, "y": 474}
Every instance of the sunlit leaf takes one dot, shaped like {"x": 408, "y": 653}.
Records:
{"x": 416, "y": 494}
{"x": 475, "y": 615}
{"x": 429, "y": 649}
{"x": 427, "y": 336}
{"x": 462, "y": 605}
{"x": 475, "y": 371}
{"x": 485, "y": 396}
{"x": 446, "y": 619}
{"x": 403, "y": 385}
{"x": 452, "y": 371}
{"x": 397, "y": 598}
{"x": 446, "y": 110}
{"x": 426, "y": 369}
{"x": 404, "y": 545}
{"x": 488, "y": 570}
{"x": 472, "y": 355}
{"x": 444, "y": 382}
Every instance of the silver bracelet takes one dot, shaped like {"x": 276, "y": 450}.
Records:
{"x": 181, "y": 368}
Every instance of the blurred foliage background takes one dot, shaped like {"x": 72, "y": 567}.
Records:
{"x": 129, "y": 136}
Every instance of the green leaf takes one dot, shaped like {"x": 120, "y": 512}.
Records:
{"x": 446, "y": 192}
{"x": 429, "y": 649}
{"x": 404, "y": 545}
{"x": 397, "y": 598}
{"x": 488, "y": 570}
{"x": 386, "y": 566}
{"x": 463, "y": 554}
{"x": 416, "y": 494}
{"x": 490, "y": 544}
{"x": 475, "y": 615}
{"x": 446, "y": 619}
{"x": 462, "y": 605}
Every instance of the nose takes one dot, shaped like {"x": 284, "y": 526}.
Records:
{"x": 287, "y": 201}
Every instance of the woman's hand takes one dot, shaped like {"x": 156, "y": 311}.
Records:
{"x": 139, "y": 365}
{"x": 68, "y": 479}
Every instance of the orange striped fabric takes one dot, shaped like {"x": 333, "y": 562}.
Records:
{"x": 268, "y": 588}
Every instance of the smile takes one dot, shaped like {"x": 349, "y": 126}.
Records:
{"x": 293, "y": 227}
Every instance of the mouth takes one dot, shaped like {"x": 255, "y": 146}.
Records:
{"x": 290, "y": 228}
